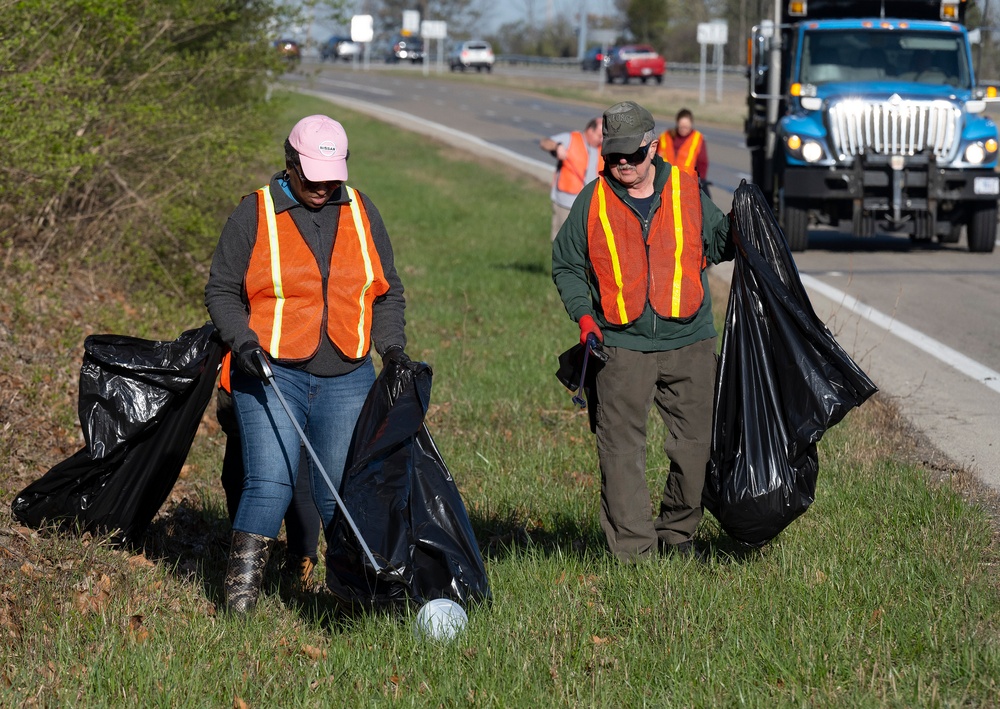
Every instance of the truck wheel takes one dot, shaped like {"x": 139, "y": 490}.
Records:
{"x": 659, "y": 78}
{"x": 795, "y": 223}
{"x": 981, "y": 230}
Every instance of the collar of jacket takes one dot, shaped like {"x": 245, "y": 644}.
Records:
{"x": 283, "y": 202}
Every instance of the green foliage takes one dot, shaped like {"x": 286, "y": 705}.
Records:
{"x": 463, "y": 16}
{"x": 554, "y": 39}
{"x": 648, "y": 20}
{"x": 126, "y": 122}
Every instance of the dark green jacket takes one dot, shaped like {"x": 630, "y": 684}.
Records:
{"x": 578, "y": 289}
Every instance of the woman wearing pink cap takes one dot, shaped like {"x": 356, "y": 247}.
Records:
{"x": 303, "y": 274}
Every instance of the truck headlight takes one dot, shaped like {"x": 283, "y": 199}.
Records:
{"x": 808, "y": 150}
{"x": 811, "y": 103}
{"x": 811, "y": 151}
{"x": 975, "y": 153}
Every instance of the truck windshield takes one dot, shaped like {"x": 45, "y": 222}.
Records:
{"x": 852, "y": 55}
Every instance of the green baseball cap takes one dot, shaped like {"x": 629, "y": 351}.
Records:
{"x": 625, "y": 124}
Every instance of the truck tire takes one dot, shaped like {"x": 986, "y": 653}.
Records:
{"x": 981, "y": 230}
{"x": 795, "y": 223}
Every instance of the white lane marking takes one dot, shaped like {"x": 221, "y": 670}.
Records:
{"x": 376, "y": 110}
{"x": 938, "y": 350}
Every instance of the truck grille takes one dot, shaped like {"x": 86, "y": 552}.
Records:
{"x": 896, "y": 127}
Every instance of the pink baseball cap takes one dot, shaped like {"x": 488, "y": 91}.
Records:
{"x": 322, "y": 146}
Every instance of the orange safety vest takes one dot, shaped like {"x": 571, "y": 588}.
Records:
{"x": 687, "y": 155}
{"x": 572, "y": 174}
{"x": 285, "y": 287}
{"x": 225, "y": 375}
{"x": 664, "y": 269}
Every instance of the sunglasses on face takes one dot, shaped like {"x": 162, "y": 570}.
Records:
{"x": 631, "y": 158}
{"x": 309, "y": 184}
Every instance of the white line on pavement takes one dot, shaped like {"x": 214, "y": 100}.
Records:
{"x": 938, "y": 350}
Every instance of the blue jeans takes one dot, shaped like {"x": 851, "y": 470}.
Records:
{"x": 326, "y": 408}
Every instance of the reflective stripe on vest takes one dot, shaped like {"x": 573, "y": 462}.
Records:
{"x": 687, "y": 156}
{"x": 573, "y": 169}
{"x": 664, "y": 270}
{"x": 284, "y": 284}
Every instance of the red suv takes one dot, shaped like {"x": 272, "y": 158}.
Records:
{"x": 639, "y": 61}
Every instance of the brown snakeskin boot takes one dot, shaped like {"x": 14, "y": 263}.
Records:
{"x": 247, "y": 560}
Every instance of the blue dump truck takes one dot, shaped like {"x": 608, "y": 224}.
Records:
{"x": 867, "y": 113}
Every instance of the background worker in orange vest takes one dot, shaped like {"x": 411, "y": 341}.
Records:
{"x": 303, "y": 274}
{"x": 630, "y": 265}
{"x": 685, "y": 147}
{"x": 580, "y": 161}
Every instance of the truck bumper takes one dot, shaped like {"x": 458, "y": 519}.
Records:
{"x": 914, "y": 187}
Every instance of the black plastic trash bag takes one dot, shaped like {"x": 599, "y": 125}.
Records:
{"x": 783, "y": 381}
{"x": 140, "y": 404}
{"x": 571, "y": 373}
{"x": 406, "y": 505}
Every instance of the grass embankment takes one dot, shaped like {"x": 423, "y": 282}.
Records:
{"x": 884, "y": 593}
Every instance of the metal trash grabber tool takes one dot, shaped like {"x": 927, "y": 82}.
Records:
{"x": 269, "y": 375}
{"x": 592, "y": 344}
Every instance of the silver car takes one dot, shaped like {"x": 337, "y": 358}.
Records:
{"x": 474, "y": 54}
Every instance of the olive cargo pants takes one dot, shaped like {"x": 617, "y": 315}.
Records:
{"x": 682, "y": 385}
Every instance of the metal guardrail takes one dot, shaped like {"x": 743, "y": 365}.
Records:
{"x": 573, "y": 63}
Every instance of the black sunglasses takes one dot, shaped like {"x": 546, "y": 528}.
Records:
{"x": 309, "y": 184}
{"x": 631, "y": 158}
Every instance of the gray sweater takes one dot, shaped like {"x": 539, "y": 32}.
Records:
{"x": 226, "y": 297}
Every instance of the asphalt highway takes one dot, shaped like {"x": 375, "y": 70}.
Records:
{"x": 923, "y": 321}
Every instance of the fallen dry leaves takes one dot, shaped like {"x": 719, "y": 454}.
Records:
{"x": 313, "y": 653}
{"x": 92, "y": 596}
{"x": 139, "y": 632}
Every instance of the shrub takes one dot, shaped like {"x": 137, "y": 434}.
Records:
{"x": 126, "y": 125}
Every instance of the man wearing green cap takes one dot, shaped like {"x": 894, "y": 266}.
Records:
{"x": 630, "y": 265}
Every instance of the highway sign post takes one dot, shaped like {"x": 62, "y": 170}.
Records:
{"x": 434, "y": 29}
{"x": 715, "y": 33}
{"x": 606, "y": 38}
{"x": 363, "y": 31}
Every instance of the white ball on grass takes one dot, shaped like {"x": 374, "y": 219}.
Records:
{"x": 440, "y": 619}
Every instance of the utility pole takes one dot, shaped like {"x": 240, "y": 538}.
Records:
{"x": 581, "y": 35}
{"x": 774, "y": 89}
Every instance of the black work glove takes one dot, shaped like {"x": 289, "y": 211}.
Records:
{"x": 395, "y": 355}
{"x": 248, "y": 360}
